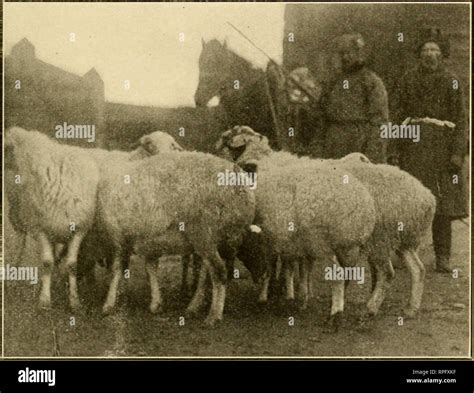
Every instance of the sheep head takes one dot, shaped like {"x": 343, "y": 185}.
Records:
{"x": 242, "y": 145}
{"x": 158, "y": 142}
{"x": 355, "y": 158}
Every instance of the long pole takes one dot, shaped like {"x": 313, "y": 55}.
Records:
{"x": 297, "y": 83}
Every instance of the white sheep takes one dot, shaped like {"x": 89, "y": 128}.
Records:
{"x": 148, "y": 145}
{"x": 52, "y": 193}
{"x": 65, "y": 176}
{"x": 404, "y": 212}
{"x": 96, "y": 245}
{"x": 172, "y": 203}
{"x": 311, "y": 211}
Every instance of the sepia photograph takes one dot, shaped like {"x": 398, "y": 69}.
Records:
{"x": 236, "y": 180}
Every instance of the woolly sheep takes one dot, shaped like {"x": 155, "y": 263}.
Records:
{"x": 51, "y": 190}
{"x": 161, "y": 142}
{"x": 64, "y": 171}
{"x": 163, "y": 193}
{"x": 332, "y": 212}
{"x": 148, "y": 145}
{"x": 404, "y": 213}
{"x": 96, "y": 246}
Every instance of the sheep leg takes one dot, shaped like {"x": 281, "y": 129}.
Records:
{"x": 263, "y": 295}
{"x": 71, "y": 264}
{"x": 200, "y": 293}
{"x": 218, "y": 273}
{"x": 384, "y": 275}
{"x": 303, "y": 287}
{"x": 289, "y": 281}
{"x": 151, "y": 266}
{"x": 197, "y": 263}
{"x": 185, "y": 259}
{"x": 417, "y": 272}
{"x": 337, "y": 305}
{"x": 114, "y": 283}
{"x": 337, "y": 302}
{"x": 21, "y": 253}
{"x": 59, "y": 252}
{"x": 310, "y": 282}
{"x": 373, "y": 276}
{"x": 47, "y": 258}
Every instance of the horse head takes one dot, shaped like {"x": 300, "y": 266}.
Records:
{"x": 214, "y": 70}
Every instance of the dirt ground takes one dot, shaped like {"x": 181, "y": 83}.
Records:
{"x": 441, "y": 329}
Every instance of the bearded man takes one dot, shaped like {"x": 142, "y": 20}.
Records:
{"x": 430, "y": 96}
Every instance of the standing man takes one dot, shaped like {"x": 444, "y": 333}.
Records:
{"x": 431, "y": 96}
{"x": 354, "y": 105}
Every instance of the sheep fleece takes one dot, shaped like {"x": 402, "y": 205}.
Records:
{"x": 57, "y": 184}
{"x": 172, "y": 188}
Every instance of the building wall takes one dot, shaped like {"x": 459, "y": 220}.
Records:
{"x": 125, "y": 124}
{"x": 48, "y": 96}
{"x": 315, "y": 26}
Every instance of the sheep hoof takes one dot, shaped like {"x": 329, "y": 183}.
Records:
{"x": 334, "y": 323}
{"x": 75, "y": 304}
{"x": 155, "y": 308}
{"x": 370, "y": 312}
{"x": 107, "y": 309}
{"x": 44, "y": 303}
{"x": 262, "y": 304}
{"x": 191, "y": 313}
{"x": 211, "y": 322}
{"x": 410, "y": 312}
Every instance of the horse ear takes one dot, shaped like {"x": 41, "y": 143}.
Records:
{"x": 203, "y": 42}
{"x": 224, "y": 45}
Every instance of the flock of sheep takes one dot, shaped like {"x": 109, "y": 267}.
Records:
{"x": 88, "y": 205}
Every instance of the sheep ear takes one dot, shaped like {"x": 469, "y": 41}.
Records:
{"x": 176, "y": 146}
{"x": 264, "y": 140}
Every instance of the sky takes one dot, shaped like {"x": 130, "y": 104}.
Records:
{"x": 142, "y": 42}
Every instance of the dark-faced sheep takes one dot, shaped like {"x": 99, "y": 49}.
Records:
{"x": 311, "y": 211}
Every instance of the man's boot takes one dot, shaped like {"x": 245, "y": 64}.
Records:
{"x": 442, "y": 243}
{"x": 443, "y": 264}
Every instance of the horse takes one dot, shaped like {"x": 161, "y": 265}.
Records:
{"x": 243, "y": 90}
{"x": 267, "y": 101}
